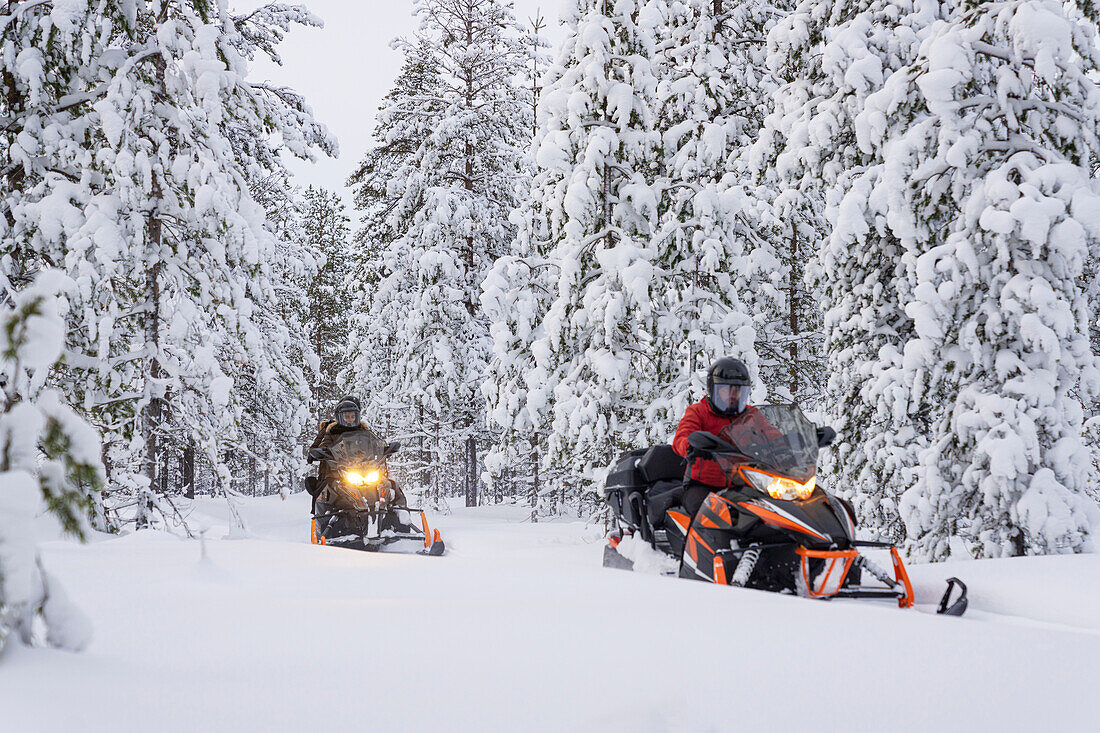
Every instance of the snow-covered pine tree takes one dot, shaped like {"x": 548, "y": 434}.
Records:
{"x": 466, "y": 170}
{"x": 53, "y": 69}
{"x": 389, "y": 192}
{"x": 49, "y": 459}
{"x": 831, "y": 56}
{"x": 575, "y": 317}
{"x": 151, "y": 215}
{"x": 988, "y": 143}
{"x": 513, "y": 462}
{"x": 331, "y": 295}
{"x": 267, "y": 425}
{"x": 720, "y": 279}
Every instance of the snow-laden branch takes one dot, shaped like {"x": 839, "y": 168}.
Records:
{"x": 70, "y": 101}
{"x": 20, "y": 9}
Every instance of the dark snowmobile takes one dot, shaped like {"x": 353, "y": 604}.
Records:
{"x": 771, "y": 529}
{"x": 360, "y": 506}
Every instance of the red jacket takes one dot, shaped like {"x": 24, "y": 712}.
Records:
{"x": 700, "y": 416}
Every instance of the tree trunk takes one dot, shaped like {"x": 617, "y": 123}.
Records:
{"x": 535, "y": 479}
{"x": 152, "y": 414}
{"x": 793, "y": 308}
{"x": 187, "y": 470}
{"x": 471, "y": 471}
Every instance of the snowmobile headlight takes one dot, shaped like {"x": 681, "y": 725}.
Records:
{"x": 780, "y": 487}
{"x": 357, "y": 479}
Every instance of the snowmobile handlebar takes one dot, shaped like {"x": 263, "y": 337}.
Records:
{"x": 318, "y": 454}
{"x": 703, "y": 443}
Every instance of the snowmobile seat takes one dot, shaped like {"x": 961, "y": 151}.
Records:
{"x": 661, "y": 463}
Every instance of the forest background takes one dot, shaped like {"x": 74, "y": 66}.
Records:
{"x": 888, "y": 210}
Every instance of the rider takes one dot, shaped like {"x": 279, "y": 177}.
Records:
{"x": 728, "y": 386}
{"x": 346, "y": 419}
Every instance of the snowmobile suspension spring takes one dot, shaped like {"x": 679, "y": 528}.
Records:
{"x": 745, "y": 566}
{"x": 878, "y": 572}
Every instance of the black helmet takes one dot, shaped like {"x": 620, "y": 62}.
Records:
{"x": 728, "y": 386}
{"x": 347, "y": 412}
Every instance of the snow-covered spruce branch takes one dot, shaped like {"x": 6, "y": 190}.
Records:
{"x": 15, "y": 11}
{"x": 1019, "y": 144}
{"x": 70, "y": 101}
{"x": 586, "y": 244}
{"x": 986, "y": 49}
{"x": 984, "y": 102}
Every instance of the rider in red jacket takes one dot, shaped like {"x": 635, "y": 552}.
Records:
{"x": 728, "y": 385}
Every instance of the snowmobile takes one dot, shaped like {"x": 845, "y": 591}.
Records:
{"x": 772, "y": 528}
{"x": 361, "y": 507}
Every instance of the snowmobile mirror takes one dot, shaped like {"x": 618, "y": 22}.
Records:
{"x": 392, "y": 448}
{"x": 825, "y": 436}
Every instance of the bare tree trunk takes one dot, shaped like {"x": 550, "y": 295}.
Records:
{"x": 793, "y": 311}
{"x": 152, "y": 414}
{"x": 535, "y": 478}
{"x": 471, "y": 471}
{"x": 187, "y": 469}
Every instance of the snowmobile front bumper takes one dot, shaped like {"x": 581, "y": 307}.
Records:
{"x": 367, "y": 533}
{"x": 830, "y": 583}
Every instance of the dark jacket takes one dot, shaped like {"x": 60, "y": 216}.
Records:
{"x": 327, "y": 434}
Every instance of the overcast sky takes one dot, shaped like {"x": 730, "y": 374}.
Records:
{"x": 345, "y": 68}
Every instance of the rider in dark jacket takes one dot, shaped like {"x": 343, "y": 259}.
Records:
{"x": 346, "y": 418}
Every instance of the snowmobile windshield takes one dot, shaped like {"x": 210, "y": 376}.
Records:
{"x": 775, "y": 438}
{"x": 359, "y": 448}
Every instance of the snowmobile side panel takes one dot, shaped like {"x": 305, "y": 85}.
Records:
{"x": 843, "y": 516}
{"x": 716, "y": 513}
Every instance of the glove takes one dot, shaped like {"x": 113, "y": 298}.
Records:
{"x": 315, "y": 454}
{"x": 825, "y": 436}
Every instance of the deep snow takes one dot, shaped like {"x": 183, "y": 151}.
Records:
{"x": 520, "y": 628}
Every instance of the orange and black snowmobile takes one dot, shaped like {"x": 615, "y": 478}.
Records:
{"x": 359, "y": 506}
{"x": 772, "y": 528}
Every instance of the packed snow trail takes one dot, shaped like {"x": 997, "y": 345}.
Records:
{"x": 520, "y": 628}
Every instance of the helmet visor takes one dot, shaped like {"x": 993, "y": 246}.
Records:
{"x": 729, "y": 399}
{"x": 347, "y": 417}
